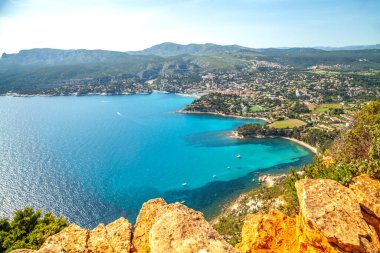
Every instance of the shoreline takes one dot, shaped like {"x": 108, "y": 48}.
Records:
{"x": 222, "y": 115}
{"x": 73, "y": 94}
{"x": 234, "y": 134}
{"x": 304, "y": 144}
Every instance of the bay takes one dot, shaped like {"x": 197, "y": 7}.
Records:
{"x": 96, "y": 158}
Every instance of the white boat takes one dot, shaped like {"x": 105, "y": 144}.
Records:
{"x": 228, "y": 167}
{"x": 183, "y": 201}
{"x": 213, "y": 176}
{"x": 238, "y": 156}
{"x": 119, "y": 113}
{"x": 184, "y": 184}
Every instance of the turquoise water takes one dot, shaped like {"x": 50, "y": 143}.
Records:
{"x": 96, "y": 158}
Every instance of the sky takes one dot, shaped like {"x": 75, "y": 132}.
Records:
{"x": 126, "y": 25}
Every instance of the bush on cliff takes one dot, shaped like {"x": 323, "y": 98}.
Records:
{"x": 354, "y": 152}
{"x": 28, "y": 229}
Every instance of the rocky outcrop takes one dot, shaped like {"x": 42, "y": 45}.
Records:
{"x": 175, "y": 228}
{"x": 265, "y": 232}
{"x": 276, "y": 232}
{"x": 332, "y": 209}
{"x": 113, "y": 238}
{"x": 147, "y": 217}
{"x": 160, "y": 227}
{"x": 367, "y": 191}
{"x": 331, "y": 219}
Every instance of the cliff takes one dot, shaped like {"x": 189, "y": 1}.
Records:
{"x": 332, "y": 218}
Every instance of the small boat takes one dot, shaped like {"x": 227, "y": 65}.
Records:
{"x": 238, "y": 156}
{"x": 213, "y": 176}
{"x": 184, "y": 184}
{"x": 183, "y": 201}
{"x": 118, "y": 113}
{"x": 228, "y": 167}
{"x": 253, "y": 180}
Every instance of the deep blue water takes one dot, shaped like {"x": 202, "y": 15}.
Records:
{"x": 95, "y": 158}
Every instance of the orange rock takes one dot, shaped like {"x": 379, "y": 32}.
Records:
{"x": 367, "y": 191}
{"x": 113, "y": 238}
{"x": 119, "y": 235}
{"x": 72, "y": 239}
{"x": 144, "y": 222}
{"x": 276, "y": 232}
{"x": 332, "y": 210}
{"x": 273, "y": 232}
{"x": 181, "y": 229}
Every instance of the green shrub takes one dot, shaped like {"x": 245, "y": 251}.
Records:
{"x": 28, "y": 229}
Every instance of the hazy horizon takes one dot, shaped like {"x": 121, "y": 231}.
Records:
{"x": 280, "y": 47}
{"x": 135, "y": 25}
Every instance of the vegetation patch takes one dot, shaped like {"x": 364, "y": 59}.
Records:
{"x": 256, "y": 108}
{"x": 28, "y": 229}
{"x": 325, "y": 108}
{"x": 289, "y": 123}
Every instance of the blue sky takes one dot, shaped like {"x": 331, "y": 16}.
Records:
{"x": 136, "y": 24}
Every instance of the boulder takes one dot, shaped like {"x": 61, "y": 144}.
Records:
{"x": 181, "y": 229}
{"x": 72, "y": 239}
{"x": 367, "y": 191}
{"x": 275, "y": 233}
{"x": 113, "y": 238}
{"x": 144, "y": 222}
{"x": 333, "y": 210}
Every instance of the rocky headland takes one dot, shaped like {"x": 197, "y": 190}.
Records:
{"x": 332, "y": 218}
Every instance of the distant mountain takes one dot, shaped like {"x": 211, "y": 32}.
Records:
{"x": 172, "y": 49}
{"x": 364, "y": 47}
{"x": 48, "y": 56}
{"x": 45, "y": 67}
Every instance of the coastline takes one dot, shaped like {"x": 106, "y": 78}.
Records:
{"x": 222, "y": 115}
{"x": 73, "y": 94}
{"x": 304, "y": 144}
{"x": 234, "y": 134}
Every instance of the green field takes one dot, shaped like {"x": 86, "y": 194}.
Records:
{"x": 289, "y": 123}
{"x": 256, "y": 108}
{"x": 326, "y": 72}
{"x": 324, "y": 108}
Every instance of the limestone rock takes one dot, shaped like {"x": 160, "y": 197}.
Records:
{"x": 98, "y": 240}
{"x": 268, "y": 232}
{"x": 144, "y": 222}
{"x": 181, "y": 229}
{"x": 367, "y": 191}
{"x": 332, "y": 209}
{"x": 120, "y": 235}
{"x": 71, "y": 239}
{"x": 23, "y": 251}
{"x": 113, "y": 238}
{"x": 275, "y": 232}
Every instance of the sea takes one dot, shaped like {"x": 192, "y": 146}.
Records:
{"x": 93, "y": 159}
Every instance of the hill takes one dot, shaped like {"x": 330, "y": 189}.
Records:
{"x": 62, "y": 72}
{"x": 173, "y": 49}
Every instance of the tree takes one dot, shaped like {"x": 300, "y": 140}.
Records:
{"x": 28, "y": 229}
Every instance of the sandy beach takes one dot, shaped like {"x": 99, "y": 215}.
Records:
{"x": 311, "y": 148}
{"x": 234, "y": 134}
